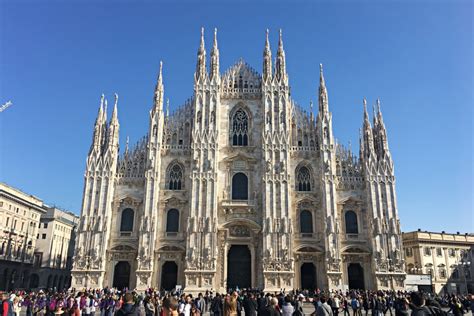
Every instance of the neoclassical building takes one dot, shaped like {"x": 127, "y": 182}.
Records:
{"x": 239, "y": 187}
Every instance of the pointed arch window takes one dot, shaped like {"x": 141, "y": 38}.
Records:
{"x": 351, "y": 223}
{"x": 306, "y": 222}
{"x": 303, "y": 179}
{"x": 240, "y": 128}
{"x": 172, "y": 221}
{"x": 175, "y": 177}
{"x": 126, "y": 222}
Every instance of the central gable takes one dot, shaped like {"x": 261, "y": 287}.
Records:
{"x": 241, "y": 81}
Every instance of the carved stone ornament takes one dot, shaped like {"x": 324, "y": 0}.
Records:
{"x": 239, "y": 231}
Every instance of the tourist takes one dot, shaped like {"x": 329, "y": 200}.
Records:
{"x": 201, "y": 303}
{"x": 271, "y": 309}
{"x": 355, "y": 305}
{"x": 250, "y": 305}
{"x": 170, "y": 307}
{"x": 323, "y": 309}
{"x": 288, "y": 309}
{"x": 128, "y": 307}
{"x": 216, "y": 305}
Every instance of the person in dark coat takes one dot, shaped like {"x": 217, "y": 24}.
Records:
{"x": 216, "y": 305}
{"x": 128, "y": 308}
{"x": 250, "y": 305}
{"x": 271, "y": 309}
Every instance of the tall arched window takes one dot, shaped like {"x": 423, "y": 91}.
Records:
{"x": 172, "y": 221}
{"x": 306, "y": 222}
{"x": 240, "y": 187}
{"x": 126, "y": 223}
{"x": 351, "y": 223}
{"x": 240, "y": 128}
{"x": 303, "y": 179}
{"x": 175, "y": 177}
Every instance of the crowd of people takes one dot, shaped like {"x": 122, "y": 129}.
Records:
{"x": 111, "y": 302}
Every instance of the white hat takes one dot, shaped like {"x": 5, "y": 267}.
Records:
{"x": 300, "y": 296}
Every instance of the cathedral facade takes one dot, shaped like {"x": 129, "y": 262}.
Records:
{"x": 239, "y": 187}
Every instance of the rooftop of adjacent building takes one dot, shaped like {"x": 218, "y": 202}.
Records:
{"x": 37, "y": 203}
{"x": 64, "y": 216}
{"x": 419, "y": 235}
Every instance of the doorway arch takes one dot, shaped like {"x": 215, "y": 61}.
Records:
{"x": 239, "y": 267}
{"x": 34, "y": 281}
{"x": 355, "y": 274}
{"x": 122, "y": 275}
{"x": 308, "y": 276}
{"x": 169, "y": 275}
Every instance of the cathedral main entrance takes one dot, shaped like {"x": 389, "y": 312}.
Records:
{"x": 122, "y": 275}
{"x": 239, "y": 267}
{"x": 308, "y": 276}
{"x": 169, "y": 275}
{"x": 356, "y": 276}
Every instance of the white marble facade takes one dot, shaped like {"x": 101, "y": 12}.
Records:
{"x": 239, "y": 187}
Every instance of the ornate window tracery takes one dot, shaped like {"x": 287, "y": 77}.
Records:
{"x": 175, "y": 177}
{"x": 303, "y": 179}
{"x": 240, "y": 128}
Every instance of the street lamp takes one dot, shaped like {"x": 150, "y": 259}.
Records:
{"x": 466, "y": 264}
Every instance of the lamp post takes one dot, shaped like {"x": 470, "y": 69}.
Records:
{"x": 466, "y": 264}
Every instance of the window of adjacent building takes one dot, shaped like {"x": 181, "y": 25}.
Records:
{"x": 409, "y": 252}
{"x": 22, "y": 226}
{"x": 451, "y": 252}
{"x": 1, "y": 203}
{"x": 43, "y": 236}
{"x": 45, "y": 225}
{"x": 172, "y": 221}
{"x": 126, "y": 223}
{"x": 303, "y": 179}
{"x": 306, "y": 222}
{"x": 37, "y": 236}
{"x": 442, "y": 273}
{"x": 427, "y": 251}
{"x": 240, "y": 187}
{"x": 439, "y": 252}
{"x": 240, "y": 126}
{"x": 351, "y": 222}
{"x": 7, "y": 221}
{"x": 175, "y": 177}
{"x": 14, "y": 224}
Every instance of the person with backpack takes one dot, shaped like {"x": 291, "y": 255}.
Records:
{"x": 355, "y": 306}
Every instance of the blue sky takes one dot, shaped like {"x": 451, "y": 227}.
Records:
{"x": 417, "y": 56}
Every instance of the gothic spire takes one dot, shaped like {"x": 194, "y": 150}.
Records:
{"x": 267, "y": 59}
{"x": 323, "y": 93}
{"x": 201, "y": 60}
{"x": 280, "y": 66}
{"x": 215, "y": 57}
{"x": 367, "y": 141}
{"x": 380, "y": 134}
{"x": 99, "y": 126}
{"x": 114, "y": 119}
{"x": 159, "y": 90}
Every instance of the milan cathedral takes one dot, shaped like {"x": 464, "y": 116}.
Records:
{"x": 239, "y": 187}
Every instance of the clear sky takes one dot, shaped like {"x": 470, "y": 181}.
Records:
{"x": 417, "y": 56}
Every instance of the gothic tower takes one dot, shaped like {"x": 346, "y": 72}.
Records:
{"x": 277, "y": 221}
{"x": 89, "y": 268}
{"x": 201, "y": 241}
